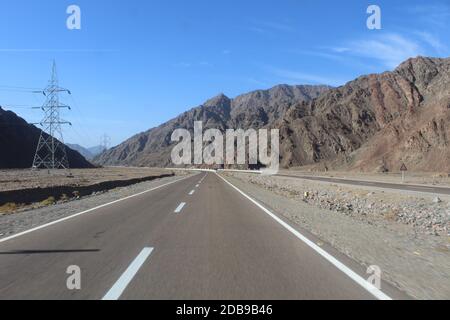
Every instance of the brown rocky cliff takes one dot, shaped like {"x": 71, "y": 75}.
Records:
{"x": 373, "y": 123}
{"x": 253, "y": 110}
{"x": 18, "y": 142}
{"x": 376, "y": 122}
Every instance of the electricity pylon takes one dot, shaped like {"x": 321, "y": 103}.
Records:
{"x": 105, "y": 141}
{"x": 51, "y": 151}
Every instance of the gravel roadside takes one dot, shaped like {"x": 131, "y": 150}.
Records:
{"x": 416, "y": 262}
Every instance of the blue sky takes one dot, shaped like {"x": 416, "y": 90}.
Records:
{"x": 138, "y": 63}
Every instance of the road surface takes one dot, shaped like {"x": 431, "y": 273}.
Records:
{"x": 198, "y": 238}
{"x": 404, "y": 187}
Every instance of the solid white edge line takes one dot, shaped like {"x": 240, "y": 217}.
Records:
{"x": 87, "y": 211}
{"x": 180, "y": 207}
{"x": 119, "y": 287}
{"x": 377, "y": 293}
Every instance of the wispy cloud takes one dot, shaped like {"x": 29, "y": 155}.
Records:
{"x": 186, "y": 65}
{"x": 299, "y": 77}
{"x": 277, "y": 26}
{"x": 205, "y": 64}
{"x": 340, "y": 49}
{"x": 258, "y": 30}
{"x": 390, "y": 49}
{"x": 337, "y": 55}
{"x": 271, "y": 27}
{"x": 434, "y": 41}
{"x": 258, "y": 82}
{"x": 182, "y": 65}
{"x": 437, "y": 14}
{"x": 34, "y": 50}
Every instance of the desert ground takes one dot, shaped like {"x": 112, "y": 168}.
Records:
{"x": 27, "y": 179}
{"x": 25, "y": 189}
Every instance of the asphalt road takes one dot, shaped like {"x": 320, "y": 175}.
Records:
{"x": 198, "y": 238}
{"x": 404, "y": 187}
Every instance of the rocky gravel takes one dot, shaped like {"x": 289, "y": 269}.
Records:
{"x": 426, "y": 214}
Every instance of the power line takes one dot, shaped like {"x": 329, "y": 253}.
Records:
{"x": 13, "y": 124}
{"x": 34, "y": 91}
{"x": 16, "y": 87}
{"x": 19, "y": 106}
{"x": 83, "y": 120}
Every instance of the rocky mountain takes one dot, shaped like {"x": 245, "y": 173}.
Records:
{"x": 373, "y": 123}
{"x": 253, "y": 110}
{"x": 96, "y": 150}
{"x": 81, "y": 150}
{"x": 18, "y": 142}
{"x": 376, "y": 122}
{"x": 88, "y": 153}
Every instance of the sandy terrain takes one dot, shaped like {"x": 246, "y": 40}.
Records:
{"x": 25, "y": 189}
{"x": 27, "y": 179}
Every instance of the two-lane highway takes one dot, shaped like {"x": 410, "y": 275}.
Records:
{"x": 198, "y": 238}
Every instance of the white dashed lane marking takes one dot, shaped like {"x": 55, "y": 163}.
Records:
{"x": 119, "y": 287}
{"x": 180, "y": 207}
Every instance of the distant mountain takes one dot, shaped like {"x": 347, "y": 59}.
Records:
{"x": 96, "y": 150}
{"x": 88, "y": 153}
{"x": 18, "y": 142}
{"x": 376, "y": 122}
{"x": 253, "y": 110}
{"x": 82, "y": 150}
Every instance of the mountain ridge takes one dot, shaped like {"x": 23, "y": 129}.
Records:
{"x": 369, "y": 121}
{"x": 87, "y": 153}
{"x": 255, "y": 109}
{"x": 18, "y": 142}
{"x": 375, "y": 122}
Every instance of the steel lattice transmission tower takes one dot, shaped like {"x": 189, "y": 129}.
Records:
{"x": 104, "y": 142}
{"x": 51, "y": 150}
